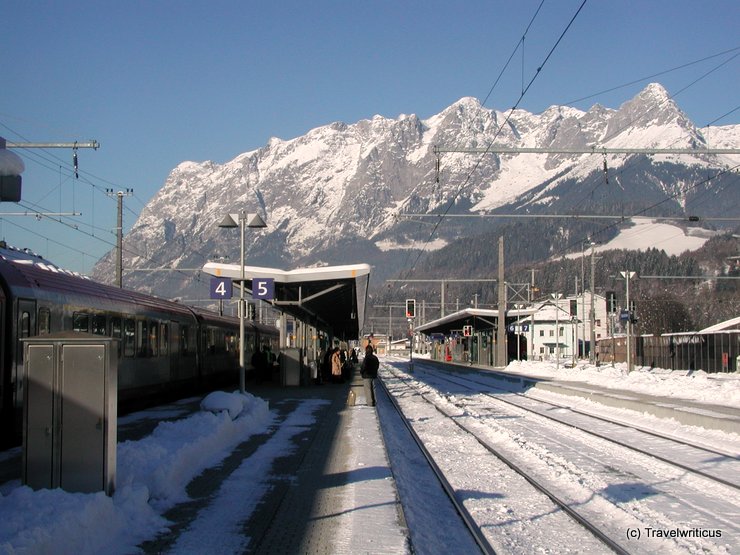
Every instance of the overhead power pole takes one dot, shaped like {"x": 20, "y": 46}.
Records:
{"x": 119, "y": 233}
{"x": 592, "y": 313}
{"x": 501, "y": 350}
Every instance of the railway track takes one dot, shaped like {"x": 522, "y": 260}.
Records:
{"x": 475, "y": 528}
{"x": 724, "y": 468}
{"x": 466, "y": 518}
{"x": 586, "y": 514}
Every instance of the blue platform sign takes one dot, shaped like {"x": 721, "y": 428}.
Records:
{"x": 263, "y": 288}
{"x": 221, "y": 288}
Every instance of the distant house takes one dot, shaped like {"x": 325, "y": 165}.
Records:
{"x": 564, "y": 326}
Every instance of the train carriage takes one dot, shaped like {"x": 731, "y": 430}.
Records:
{"x": 165, "y": 348}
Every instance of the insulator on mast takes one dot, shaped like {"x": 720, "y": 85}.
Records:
{"x": 606, "y": 171}
{"x": 74, "y": 161}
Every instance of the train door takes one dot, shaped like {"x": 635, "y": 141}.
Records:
{"x": 25, "y": 327}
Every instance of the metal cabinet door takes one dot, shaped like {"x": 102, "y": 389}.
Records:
{"x": 82, "y": 387}
{"x": 39, "y": 429}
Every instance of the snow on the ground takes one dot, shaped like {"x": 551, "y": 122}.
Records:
{"x": 153, "y": 473}
{"x": 696, "y": 385}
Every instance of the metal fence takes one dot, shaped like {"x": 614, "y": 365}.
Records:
{"x": 711, "y": 352}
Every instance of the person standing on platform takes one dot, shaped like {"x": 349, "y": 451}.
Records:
{"x": 369, "y": 371}
{"x": 336, "y": 366}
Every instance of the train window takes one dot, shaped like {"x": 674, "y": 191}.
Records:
{"x": 230, "y": 342}
{"x": 164, "y": 340}
{"x": 218, "y": 340}
{"x": 25, "y": 323}
{"x": 116, "y": 332}
{"x": 153, "y": 339}
{"x": 44, "y": 321}
{"x": 129, "y": 334}
{"x": 98, "y": 324}
{"x": 142, "y": 338}
{"x": 249, "y": 344}
{"x": 81, "y": 322}
{"x": 184, "y": 336}
{"x": 210, "y": 341}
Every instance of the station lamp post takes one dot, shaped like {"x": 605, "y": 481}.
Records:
{"x": 242, "y": 220}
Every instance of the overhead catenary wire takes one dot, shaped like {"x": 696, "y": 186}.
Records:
{"x": 649, "y": 77}
{"x": 617, "y": 131}
{"x": 519, "y": 44}
{"x": 496, "y": 134}
{"x": 629, "y": 166}
{"x": 97, "y": 237}
{"x": 51, "y": 161}
{"x": 656, "y": 204}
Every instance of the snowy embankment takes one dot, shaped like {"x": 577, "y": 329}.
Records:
{"x": 152, "y": 475}
{"x": 696, "y": 385}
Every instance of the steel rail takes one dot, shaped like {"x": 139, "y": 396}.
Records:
{"x": 466, "y": 517}
{"x": 616, "y": 441}
{"x": 580, "y": 519}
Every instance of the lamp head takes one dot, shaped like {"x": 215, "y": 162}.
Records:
{"x": 229, "y": 221}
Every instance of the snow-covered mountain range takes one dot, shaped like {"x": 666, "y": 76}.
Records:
{"x": 343, "y": 193}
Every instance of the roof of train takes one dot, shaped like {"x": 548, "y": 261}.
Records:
{"x": 23, "y": 270}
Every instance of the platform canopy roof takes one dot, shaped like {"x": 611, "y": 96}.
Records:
{"x": 331, "y": 298}
{"x": 479, "y": 318}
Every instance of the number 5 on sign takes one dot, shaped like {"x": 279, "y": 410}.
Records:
{"x": 263, "y": 288}
{"x": 221, "y": 288}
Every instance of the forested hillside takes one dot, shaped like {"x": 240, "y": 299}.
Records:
{"x": 666, "y": 300}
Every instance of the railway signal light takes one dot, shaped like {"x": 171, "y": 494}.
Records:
{"x": 410, "y": 308}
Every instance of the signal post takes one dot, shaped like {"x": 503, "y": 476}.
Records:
{"x": 410, "y": 315}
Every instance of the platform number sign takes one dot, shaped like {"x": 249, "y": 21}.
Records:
{"x": 263, "y": 288}
{"x": 221, "y": 288}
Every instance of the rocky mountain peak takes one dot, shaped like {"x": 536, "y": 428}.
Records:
{"x": 339, "y": 193}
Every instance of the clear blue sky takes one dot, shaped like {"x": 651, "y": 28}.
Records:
{"x": 157, "y": 83}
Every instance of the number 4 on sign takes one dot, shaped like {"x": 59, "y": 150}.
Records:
{"x": 221, "y": 288}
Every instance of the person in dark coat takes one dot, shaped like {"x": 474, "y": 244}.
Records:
{"x": 259, "y": 363}
{"x": 369, "y": 371}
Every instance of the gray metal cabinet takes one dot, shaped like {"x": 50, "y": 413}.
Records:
{"x": 70, "y": 412}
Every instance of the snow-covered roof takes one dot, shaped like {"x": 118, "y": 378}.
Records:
{"x": 331, "y": 298}
{"x": 298, "y": 275}
{"x": 731, "y": 324}
{"x": 456, "y": 320}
